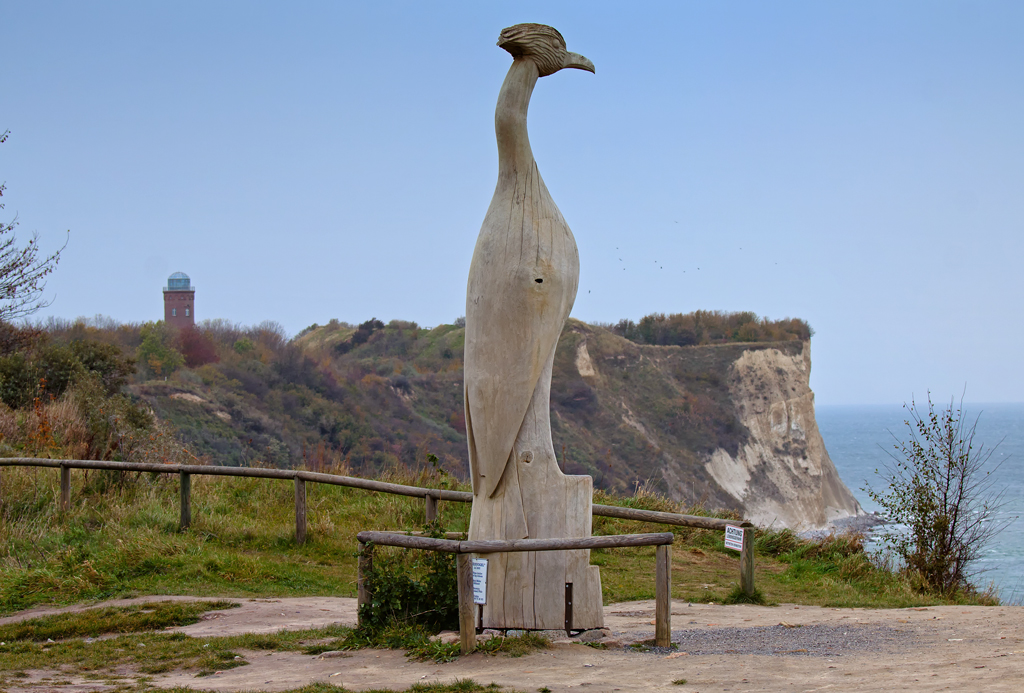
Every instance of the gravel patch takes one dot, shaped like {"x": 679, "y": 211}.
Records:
{"x": 808, "y": 640}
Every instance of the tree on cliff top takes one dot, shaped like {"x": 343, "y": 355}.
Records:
{"x": 22, "y": 271}
{"x": 710, "y": 327}
{"x": 940, "y": 490}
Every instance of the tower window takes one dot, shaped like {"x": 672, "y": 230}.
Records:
{"x": 186, "y": 312}
{"x": 174, "y": 312}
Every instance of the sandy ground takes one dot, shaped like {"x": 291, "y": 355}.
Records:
{"x": 721, "y": 648}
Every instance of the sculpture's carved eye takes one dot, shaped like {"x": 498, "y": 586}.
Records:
{"x": 539, "y": 280}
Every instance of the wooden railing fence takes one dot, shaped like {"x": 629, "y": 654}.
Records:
{"x": 431, "y": 496}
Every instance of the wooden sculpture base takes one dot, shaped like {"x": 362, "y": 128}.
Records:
{"x": 529, "y": 590}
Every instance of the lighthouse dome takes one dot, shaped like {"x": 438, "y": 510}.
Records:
{"x": 178, "y": 281}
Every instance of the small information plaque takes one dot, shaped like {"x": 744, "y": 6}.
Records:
{"x": 734, "y": 537}
{"x": 480, "y": 580}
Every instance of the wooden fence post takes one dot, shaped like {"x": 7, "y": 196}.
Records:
{"x": 65, "y": 488}
{"x": 747, "y": 560}
{"x": 363, "y": 568}
{"x": 185, "y": 494}
{"x": 431, "y": 507}
{"x": 467, "y": 612}
{"x": 300, "y": 510}
{"x": 663, "y": 597}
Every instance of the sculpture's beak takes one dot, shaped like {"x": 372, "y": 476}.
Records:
{"x": 579, "y": 62}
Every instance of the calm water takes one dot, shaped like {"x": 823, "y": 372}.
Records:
{"x": 858, "y": 440}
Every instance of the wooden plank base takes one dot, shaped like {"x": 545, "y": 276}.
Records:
{"x": 526, "y": 591}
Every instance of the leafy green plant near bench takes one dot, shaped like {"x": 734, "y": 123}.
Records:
{"x": 412, "y": 588}
{"x": 414, "y": 595}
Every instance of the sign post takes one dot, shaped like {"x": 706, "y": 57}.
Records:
{"x": 479, "y": 580}
{"x": 734, "y": 538}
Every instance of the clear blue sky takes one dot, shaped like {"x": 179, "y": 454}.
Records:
{"x": 857, "y": 164}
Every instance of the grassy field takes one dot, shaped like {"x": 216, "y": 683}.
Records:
{"x": 120, "y": 538}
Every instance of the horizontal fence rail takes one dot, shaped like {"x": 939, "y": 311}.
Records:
{"x": 661, "y": 517}
{"x": 431, "y": 497}
{"x": 252, "y": 472}
{"x": 409, "y": 541}
{"x": 462, "y": 549}
{"x": 434, "y": 494}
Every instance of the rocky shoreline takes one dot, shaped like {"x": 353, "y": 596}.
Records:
{"x": 865, "y": 524}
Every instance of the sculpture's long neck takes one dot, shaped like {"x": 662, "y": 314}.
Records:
{"x": 514, "y": 153}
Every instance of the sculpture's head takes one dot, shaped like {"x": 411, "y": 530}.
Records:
{"x": 544, "y": 45}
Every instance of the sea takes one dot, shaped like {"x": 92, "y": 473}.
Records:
{"x": 859, "y": 439}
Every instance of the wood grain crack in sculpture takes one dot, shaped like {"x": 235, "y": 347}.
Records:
{"x": 522, "y": 284}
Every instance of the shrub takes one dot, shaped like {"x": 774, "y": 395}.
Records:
{"x": 938, "y": 488}
{"x": 196, "y": 347}
{"x": 576, "y": 396}
{"x": 156, "y": 354}
{"x": 776, "y": 542}
{"x": 412, "y": 589}
{"x": 49, "y": 369}
{"x": 366, "y": 330}
{"x": 106, "y": 360}
{"x": 738, "y": 596}
{"x": 17, "y": 380}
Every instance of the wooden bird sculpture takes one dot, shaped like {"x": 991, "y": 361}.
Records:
{"x": 522, "y": 284}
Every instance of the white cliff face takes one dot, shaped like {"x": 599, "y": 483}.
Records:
{"x": 782, "y": 476}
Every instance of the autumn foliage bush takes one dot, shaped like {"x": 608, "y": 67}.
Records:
{"x": 62, "y": 396}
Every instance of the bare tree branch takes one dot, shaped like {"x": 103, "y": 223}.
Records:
{"x": 22, "y": 271}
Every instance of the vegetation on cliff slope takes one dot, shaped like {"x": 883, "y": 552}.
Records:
{"x": 376, "y": 397}
{"x": 66, "y": 399}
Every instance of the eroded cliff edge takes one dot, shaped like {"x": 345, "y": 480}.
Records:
{"x": 727, "y": 425}
{"x": 782, "y": 474}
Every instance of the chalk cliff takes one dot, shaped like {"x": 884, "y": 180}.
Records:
{"x": 782, "y": 475}
{"x": 731, "y": 425}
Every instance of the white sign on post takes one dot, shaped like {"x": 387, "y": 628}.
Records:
{"x": 479, "y": 580}
{"x": 734, "y": 537}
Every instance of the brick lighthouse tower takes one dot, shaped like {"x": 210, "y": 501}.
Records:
{"x": 179, "y": 301}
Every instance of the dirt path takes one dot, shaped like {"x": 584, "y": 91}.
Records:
{"x": 721, "y": 648}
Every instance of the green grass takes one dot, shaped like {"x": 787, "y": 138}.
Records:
{"x": 124, "y": 541}
{"x": 121, "y": 540}
{"x": 133, "y": 618}
{"x": 149, "y": 653}
{"x": 738, "y": 596}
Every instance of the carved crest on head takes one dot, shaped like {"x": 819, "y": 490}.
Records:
{"x": 542, "y": 44}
